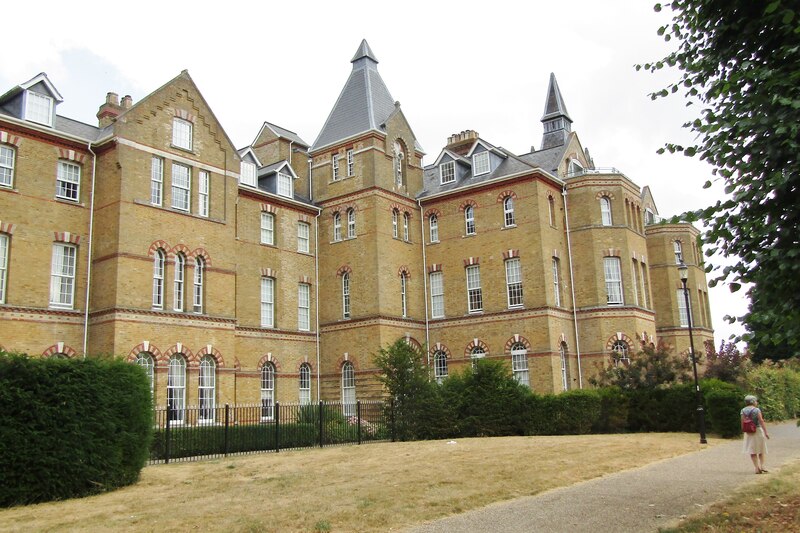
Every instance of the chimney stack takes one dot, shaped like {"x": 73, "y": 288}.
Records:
{"x": 111, "y": 109}
{"x": 127, "y": 101}
{"x": 460, "y": 143}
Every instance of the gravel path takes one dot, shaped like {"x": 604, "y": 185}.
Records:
{"x": 637, "y": 500}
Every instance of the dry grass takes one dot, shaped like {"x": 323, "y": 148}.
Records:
{"x": 375, "y": 487}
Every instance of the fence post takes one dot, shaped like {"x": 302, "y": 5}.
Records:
{"x": 166, "y": 434}
{"x": 358, "y": 419}
{"x": 320, "y": 424}
{"x": 225, "y": 445}
{"x": 391, "y": 419}
{"x": 277, "y": 427}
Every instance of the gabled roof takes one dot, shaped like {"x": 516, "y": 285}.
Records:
{"x": 363, "y": 105}
{"x": 39, "y": 78}
{"x": 281, "y": 132}
{"x": 454, "y": 155}
{"x": 487, "y": 146}
{"x": 274, "y": 168}
{"x": 243, "y": 152}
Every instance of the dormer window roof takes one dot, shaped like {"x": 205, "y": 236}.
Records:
{"x": 249, "y": 166}
{"x": 36, "y": 99}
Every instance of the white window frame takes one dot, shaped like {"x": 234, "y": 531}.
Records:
{"x": 398, "y": 163}
{"x": 613, "y": 276}
{"x": 267, "y": 302}
{"x": 203, "y": 184}
{"x": 267, "y": 228}
{"x": 635, "y": 282}
{"x": 181, "y": 187}
{"x": 469, "y": 220}
{"x": 348, "y": 389}
{"x": 285, "y": 185}
{"x": 182, "y": 133}
{"x": 207, "y": 390}
{"x": 433, "y": 227}
{"x": 39, "y": 108}
{"x": 146, "y": 361}
{"x": 62, "y": 275}
{"x": 159, "y": 260}
{"x": 351, "y": 223}
{"x": 605, "y": 211}
{"x": 437, "y": 294}
{"x": 179, "y": 282}
{"x": 480, "y": 163}
{"x": 4, "y": 247}
{"x": 645, "y": 288}
{"x": 8, "y": 157}
{"x": 68, "y": 181}
{"x": 440, "y": 371}
{"x": 514, "y": 282}
{"x": 508, "y": 212}
{"x": 677, "y": 246}
{"x": 248, "y": 174}
{"x": 683, "y": 312}
{"x": 562, "y": 352}
{"x": 350, "y": 163}
{"x": 406, "y": 219}
{"x": 394, "y": 223}
{"x": 447, "y": 172}
{"x": 619, "y": 352}
{"x": 337, "y": 227}
{"x": 303, "y": 237}
{"x": 304, "y": 307}
{"x": 305, "y": 384}
{"x": 346, "y": 295}
{"x": 519, "y": 364}
{"x": 476, "y": 354}
{"x": 474, "y": 292}
{"x": 557, "y": 281}
{"x": 176, "y": 387}
{"x": 199, "y": 279}
{"x": 267, "y": 392}
{"x": 551, "y": 206}
{"x": 157, "y": 181}
{"x": 335, "y": 166}
{"x": 404, "y": 293}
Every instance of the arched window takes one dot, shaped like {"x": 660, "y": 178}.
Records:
{"x": 176, "y": 388}
{"x": 268, "y": 391}
{"x": 619, "y": 353}
{"x": 605, "y": 210}
{"x": 394, "y": 223}
{"x": 440, "y": 366}
{"x": 180, "y": 273}
{"x": 305, "y": 384}
{"x": 476, "y": 354}
{"x": 199, "y": 275}
{"x": 678, "y": 248}
{"x": 207, "y": 389}
{"x": 405, "y": 226}
{"x": 403, "y": 293}
{"x": 519, "y": 364}
{"x": 346, "y": 295}
{"x": 433, "y": 225}
{"x": 508, "y": 211}
{"x": 399, "y": 164}
{"x": 145, "y": 360}
{"x": 564, "y": 365}
{"x": 351, "y": 223}
{"x": 337, "y": 227}
{"x": 348, "y": 389}
{"x": 551, "y": 206}
{"x": 158, "y": 279}
{"x": 469, "y": 220}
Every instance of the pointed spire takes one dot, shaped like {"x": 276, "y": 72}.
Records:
{"x": 556, "y": 120}
{"x": 363, "y": 52}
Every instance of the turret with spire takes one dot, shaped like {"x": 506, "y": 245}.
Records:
{"x": 556, "y": 120}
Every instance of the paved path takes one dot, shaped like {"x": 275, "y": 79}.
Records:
{"x": 638, "y": 500}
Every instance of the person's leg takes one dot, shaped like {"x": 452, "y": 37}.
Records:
{"x": 754, "y": 458}
{"x": 761, "y": 462}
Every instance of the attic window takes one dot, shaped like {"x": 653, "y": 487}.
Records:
{"x": 447, "y": 172}
{"x": 248, "y": 174}
{"x": 38, "y": 108}
{"x": 285, "y": 185}
{"x": 575, "y": 168}
{"x": 480, "y": 163}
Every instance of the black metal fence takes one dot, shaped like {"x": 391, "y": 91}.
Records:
{"x": 194, "y": 433}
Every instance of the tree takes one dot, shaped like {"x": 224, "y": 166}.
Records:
{"x": 727, "y": 364}
{"x": 740, "y": 59}
{"x": 650, "y": 368}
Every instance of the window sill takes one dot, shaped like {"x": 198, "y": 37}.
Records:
{"x": 477, "y": 312}
{"x": 6, "y": 188}
{"x": 182, "y": 149}
{"x": 468, "y": 235}
{"x": 69, "y": 201}
{"x": 434, "y": 242}
{"x": 512, "y": 226}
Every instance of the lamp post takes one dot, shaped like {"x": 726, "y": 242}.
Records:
{"x": 683, "y": 271}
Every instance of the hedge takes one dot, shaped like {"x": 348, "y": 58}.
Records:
{"x": 70, "y": 428}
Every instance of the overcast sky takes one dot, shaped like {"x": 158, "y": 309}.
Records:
{"x": 452, "y": 66}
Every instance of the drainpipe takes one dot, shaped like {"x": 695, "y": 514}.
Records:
{"x": 89, "y": 253}
{"x": 572, "y": 288}
{"x": 316, "y": 279}
{"x": 425, "y": 284}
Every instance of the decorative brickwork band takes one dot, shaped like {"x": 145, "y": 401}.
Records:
{"x": 439, "y": 347}
{"x": 467, "y": 203}
{"x": 475, "y": 343}
{"x": 612, "y": 252}
{"x": 7, "y": 138}
{"x": 65, "y": 236}
{"x": 607, "y": 194}
{"x": 147, "y": 347}
{"x": 213, "y": 352}
{"x": 268, "y": 208}
{"x": 269, "y": 359}
{"x": 515, "y": 339}
{"x": 434, "y": 211}
{"x": 434, "y": 268}
{"x": 404, "y": 270}
{"x": 59, "y": 348}
{"x": 505, "y": 194}
{"x": 71, "y": 155}
{"x": 268, "y": 273}
{"x": 185, "y": 115}
{"x": 470, "y": 261}
{"x": 344, "y": 269}
{"x": 510, "y": 254}
{"x": 7, "y": 227}
{"x": 305, "y": 279}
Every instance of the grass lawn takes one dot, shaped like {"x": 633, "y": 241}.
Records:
{"x": 373, "y": 487}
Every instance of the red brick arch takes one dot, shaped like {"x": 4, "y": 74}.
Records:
{"x": 404, "y": 270}
{"x": 607, "y": 194}
{"x": 467, "y": 203}
{"x": 181, "y": 248}
{"x": 163, "y": 245}
{"x": 439, "y": 347}
{"x": 302, "y": 361}
{"x": 60, "y": 347}
{"x": 345, "y": 357}
{"x": 514, "y": 339}
{"x": 411, "y": 341}
{"x": 433, "y": 211}
{"x": 181, "y": 348}
{"x": 269, "y": 358}
{"x": 344, "y": 269}
{"x": 505, "y": 194}
{"x": 213, "y": 352}
{"x": 473, "y": 344}
{"x": 202, "y": 252}
{"x": 148, "y": 347}
{"x": 619, "y": 336}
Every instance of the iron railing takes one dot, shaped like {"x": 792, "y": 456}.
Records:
{"x": 194, "y": 433}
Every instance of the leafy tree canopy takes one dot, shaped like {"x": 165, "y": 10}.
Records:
{"x": 648, "y": 369}
{"x": 740, "y": 60}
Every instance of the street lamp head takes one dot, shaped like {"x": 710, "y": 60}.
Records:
{"x": 683, "y": 271}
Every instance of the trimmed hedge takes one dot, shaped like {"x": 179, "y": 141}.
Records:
{"x": 70, "y": 428}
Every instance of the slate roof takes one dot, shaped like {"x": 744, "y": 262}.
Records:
{"x": 363, "y": 105}
{"x": 286, "y": 134}
{"x": 548, "y": 159}
{"x": 554, "y": 105}
{"x": 268, "y": 180}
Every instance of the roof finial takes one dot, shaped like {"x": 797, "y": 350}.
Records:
{"x": 364, "y": 51}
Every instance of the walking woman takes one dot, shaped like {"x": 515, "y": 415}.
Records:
{"x": 755, "y": 443}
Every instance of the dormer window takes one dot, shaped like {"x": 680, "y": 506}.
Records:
{"x": 285, "y": 186}
{"x": 447, "y": 172}
{"x": 38, "y": 108}
{"x": 248, "y": 173}
{"x": 575, "y": 168}
{"x": 181, "y": 133}
{"x": 480, "y": 163}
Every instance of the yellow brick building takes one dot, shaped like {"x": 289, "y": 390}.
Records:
{"x": 276, "y": 271}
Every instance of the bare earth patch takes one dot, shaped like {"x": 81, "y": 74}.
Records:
{"x": 375, "y": 487}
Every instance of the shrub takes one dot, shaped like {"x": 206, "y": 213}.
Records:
{"x": 777, "y": 388}
{"x": 650, "y": 368}
{"x": 70, "y": 428}
{"x": 613, "y": 416}
{"x": 722, "y": 413}
{"x": 663, "y": 409}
